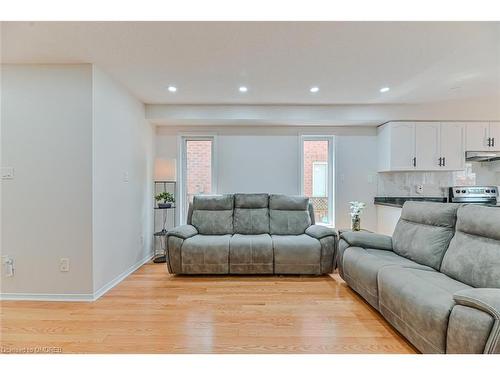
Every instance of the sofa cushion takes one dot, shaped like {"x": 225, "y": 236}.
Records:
{"x": 251, "y": 254}
{"x": 260, "y": 200}
{"x": 289, "y": 215}
{"x": 205, "y": 254}
{"x": 361, "y": 267}
{"x": 473, "y": 256}
{"x": 251, "y": 220}
{"x": 418, "y": 304}
{"x": 424, "y": 232}
{"x": 294, "y": 254}
{"x": 213, "y": 214}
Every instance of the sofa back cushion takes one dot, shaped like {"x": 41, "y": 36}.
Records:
{"x": 251, "y": 213}
{"x": 424, "y": 232}
{"x": 213, "y": 214}
{"x": 288, "y": 214}
{"x": 473, "y": 256}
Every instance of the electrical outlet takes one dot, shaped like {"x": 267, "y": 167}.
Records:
{"x": 7, "y": 173}
{"x": 8, "y": 266}
{"x": 64, "y": 265}
{"x": 125, "y": 177}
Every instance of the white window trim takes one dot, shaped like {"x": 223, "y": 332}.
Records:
{"x": 182, "y": 138}
{"x": 331, "y": 170}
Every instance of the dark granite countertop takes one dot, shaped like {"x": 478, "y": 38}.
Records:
{"x": 399, "y": 201}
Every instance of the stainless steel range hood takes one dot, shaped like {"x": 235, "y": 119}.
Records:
{"x": 482, "y": 156}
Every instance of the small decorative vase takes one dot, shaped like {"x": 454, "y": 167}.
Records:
{"x": 355, "y": 223}
{"x": 164, "y": 205}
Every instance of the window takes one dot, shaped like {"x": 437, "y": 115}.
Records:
{"x": 317, "y": 175}
{"x": 197, "y": 170}
{"x": 319, "y": 179}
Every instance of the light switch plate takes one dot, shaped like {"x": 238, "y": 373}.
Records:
{"x": 7, "y": 173}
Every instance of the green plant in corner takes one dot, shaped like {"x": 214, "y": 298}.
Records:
{"x": 166, "y": 197}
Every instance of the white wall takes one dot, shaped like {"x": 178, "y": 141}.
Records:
{"x": 258, "y": 163}
{"x": 46, "y": 208}
{"x": 122, "y": 211}
{"x": 267, "y": 160}
{"x": 356, "y": 172}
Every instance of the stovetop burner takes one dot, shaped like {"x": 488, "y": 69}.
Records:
{"x": 474, "y": 194}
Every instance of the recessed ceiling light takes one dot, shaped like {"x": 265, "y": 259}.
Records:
{"x": 172, "y": 88}
{"x": 243, "y": 89}
{"x": 314, "y": 89}
{"x": 385, "y": 89}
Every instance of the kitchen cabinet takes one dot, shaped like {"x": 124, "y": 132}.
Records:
{"x": 387, "y": 219}
{"x": 427, "y": 145}
{"x": 495, "y": 135}
{"x": 421, "y": 146}
{"x": 483, "y": 136}
{"x": 452, "y": 143}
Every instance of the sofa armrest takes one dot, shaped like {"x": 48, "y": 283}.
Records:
{"x": 487, "y": 300}
{"x": 183, "y": 231}
{"x": 367, "y": 240}
{"x": 320, "y": 231}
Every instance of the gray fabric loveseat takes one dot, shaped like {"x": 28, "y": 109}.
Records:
{"x": 436, "y": 280}
{"x": 251, "y": 234}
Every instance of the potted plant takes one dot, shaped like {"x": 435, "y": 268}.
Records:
{"x": 167, "y": 199}
{"x": 356, "y": 210}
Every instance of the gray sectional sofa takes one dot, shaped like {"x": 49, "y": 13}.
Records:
{"x": 436, "y": 280}
{"x": 251, "y": 234}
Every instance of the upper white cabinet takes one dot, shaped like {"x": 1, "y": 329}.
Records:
{"x": 427, "y": 145}
{"x": 452, "y": 141}
{"x": 483, "y": 136}
{"x": 421, "y": 146}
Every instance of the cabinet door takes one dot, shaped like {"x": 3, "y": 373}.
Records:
{"x": 427, "y": 145}
{"x": 477, "y": 135}
{"x": 495, "y": 135}
{"x": 402, "y": 146}
{"x": 452, "y": 142}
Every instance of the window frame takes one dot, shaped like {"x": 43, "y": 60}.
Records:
{"x": 331, "y": 171}
{"x": 182, "y": 203}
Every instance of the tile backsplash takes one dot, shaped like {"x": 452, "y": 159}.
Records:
{"x": 436, "y": 184}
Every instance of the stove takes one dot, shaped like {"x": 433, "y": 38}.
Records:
{"x": 485, "y": 195}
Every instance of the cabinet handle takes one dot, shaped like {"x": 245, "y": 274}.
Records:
{"x": 440, "y": 162}
{"x": 414, "y": 162}
{"x": 489, "y": 142}
{"x": 444, "y": 162}
{"x": 492, "y": 142}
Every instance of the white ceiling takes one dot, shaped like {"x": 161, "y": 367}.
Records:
{"x": 277, "y": 61}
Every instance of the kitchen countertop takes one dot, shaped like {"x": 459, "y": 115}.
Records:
{"x": 399, "y": 201}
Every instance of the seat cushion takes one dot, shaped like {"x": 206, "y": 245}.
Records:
{"x": 289, "y": 215}
{"x": 296, "y": 254}
{"x": 424, "y": 231}
{"x": 213, "y": 214}
{"x": 361, "y": 267}
{"x": 205, "y": 254}
{"x": 251, "y": 254}
{"x": 418, "y": 304}
{"x": 473, "y": 256}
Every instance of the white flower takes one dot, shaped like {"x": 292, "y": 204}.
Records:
{"x": 357, "y": 208}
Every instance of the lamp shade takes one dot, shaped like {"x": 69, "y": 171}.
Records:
{"x": 165, "y": 169}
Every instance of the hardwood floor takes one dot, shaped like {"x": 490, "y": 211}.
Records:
{"x": 154, "y": 312}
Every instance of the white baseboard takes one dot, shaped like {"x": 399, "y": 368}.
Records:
{"x": 46, "y": 297}
{"x": 75, "y": 297}
{"x": 106, "y": 287}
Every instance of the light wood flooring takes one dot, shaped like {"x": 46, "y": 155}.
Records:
{"x": 154, "y": 312}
